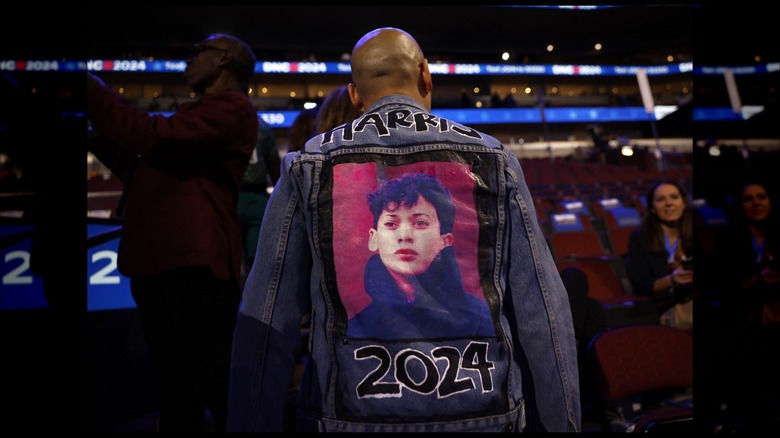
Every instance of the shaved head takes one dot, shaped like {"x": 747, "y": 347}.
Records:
{"x": 242, "y": 54}
{"x": 389, "y": 61}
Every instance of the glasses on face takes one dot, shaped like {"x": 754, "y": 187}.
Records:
{"x": 197, "y": 48}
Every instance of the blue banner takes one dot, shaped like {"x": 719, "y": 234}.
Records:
{"x": 107, "y": 289}
{"x": 288, "y": 67}
{"x": 19, "y": 287}
{"x": 344, "y": 68}
{"x": 499, "y": 116}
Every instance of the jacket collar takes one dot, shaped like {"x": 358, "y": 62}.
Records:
{"x": 395, "y": 99}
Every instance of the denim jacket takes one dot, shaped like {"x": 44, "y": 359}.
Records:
{"x": 311, "y": 257}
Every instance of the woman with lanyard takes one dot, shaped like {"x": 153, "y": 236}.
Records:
{"x": 754, "y": 223}
{"x": 749, "y": 253}
{"x": 660, "y": 254}
{"x": 747, "y": 278}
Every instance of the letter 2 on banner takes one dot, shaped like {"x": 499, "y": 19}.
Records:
{"x": 644, "y": 88}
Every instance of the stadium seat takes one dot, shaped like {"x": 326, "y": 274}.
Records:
{"x": 644, "y": 378}
{"x": 582, "y": 243}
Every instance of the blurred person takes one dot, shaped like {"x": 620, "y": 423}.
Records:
{"x": 302, "y": 129}
{"x": 495, "y": 100}
{"x": 587, "y": 312}
{"x": 509, "y": 100}
{"x": 33, "y": 117}
{"x": 413, "y": 278}
{"x": 181, "y": 241}
{"x": 747, "y": 275}
{"x": 42, "y": 339}
{"x": 523, "y": 378}
{"x": 660, "y": 252}
{"x": 601, "y": 138}
{"x": 754, "y": 257}
{"x": 590, "y": 319}
{"x": 154, "y": 104}
{"x": 261, "y": 173}
{"x": 336, "y": 109}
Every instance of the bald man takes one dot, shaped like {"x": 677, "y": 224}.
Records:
{"x": 389, "y": 61}
{"x": 517, "y": 371}
{"x": 181, "y": 242}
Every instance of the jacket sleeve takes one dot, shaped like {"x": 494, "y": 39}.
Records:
{"x": 541, "y": 319}
{"x": 118, "y": 160}
{"x": 191, "y": 132}
{"x": 275, "y": 297}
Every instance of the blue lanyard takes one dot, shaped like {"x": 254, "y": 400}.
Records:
{"x": 671, "y": 249}
{"x": 759, "y": 249}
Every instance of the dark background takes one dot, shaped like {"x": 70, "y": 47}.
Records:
{"x": 470, "y": 33}
{"x": 46, "y": 367}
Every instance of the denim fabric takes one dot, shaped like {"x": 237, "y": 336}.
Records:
{"x": 524, "y": 378}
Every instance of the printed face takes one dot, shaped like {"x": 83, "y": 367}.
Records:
{"x": 756, "y": 202}
{"x": 668, "y": 203}
{"x": 408, "y": 238}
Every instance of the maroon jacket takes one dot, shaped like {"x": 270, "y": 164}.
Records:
{"x": 181, "y": 205}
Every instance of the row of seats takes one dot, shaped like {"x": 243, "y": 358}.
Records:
{"x": 579, "y": 228}
{"x": 636, "y": 375}
{"x": 593, "y": 236}
{"x": 586, "y": 175}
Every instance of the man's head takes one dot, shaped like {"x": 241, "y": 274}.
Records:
{"x": 413, "y": 219}
{"x": 220, "y": 62}
{"x": 388, "y": 61}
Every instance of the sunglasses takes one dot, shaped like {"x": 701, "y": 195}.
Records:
{"x": 197, "y": 48}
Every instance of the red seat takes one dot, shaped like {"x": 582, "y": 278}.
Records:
{"x": 604, "y": 280}
{"x": 603, "y": 205}
{"x": 644, "y": 377}
{"x": 618, "y": 240}
{"x": 569, "y": 244}
{"x": 622, "y": 217}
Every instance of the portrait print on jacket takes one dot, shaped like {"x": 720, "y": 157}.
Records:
{"x": 420, "y": 279}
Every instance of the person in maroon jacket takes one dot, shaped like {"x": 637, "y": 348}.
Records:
{"x": 181, "y": 242}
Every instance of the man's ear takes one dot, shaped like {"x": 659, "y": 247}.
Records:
{"x": 226, "y": 59}
{"x": 426, "y": 83}
{"x": 355, "y": 98}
